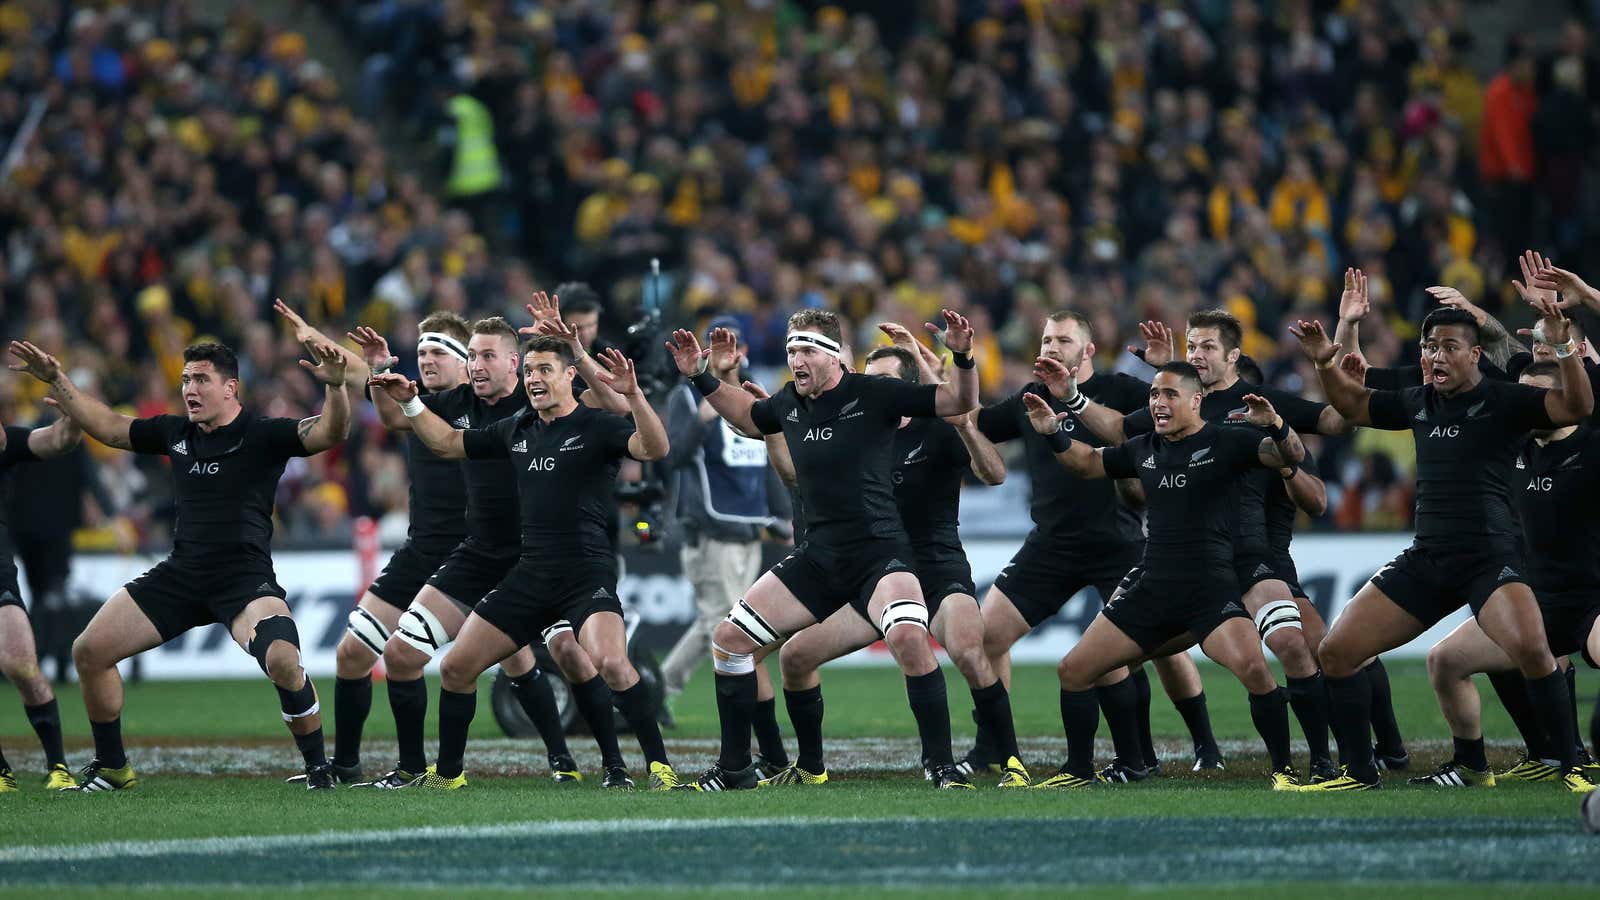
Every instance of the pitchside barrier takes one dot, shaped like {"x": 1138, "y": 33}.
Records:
{"x": 322, "y": 586}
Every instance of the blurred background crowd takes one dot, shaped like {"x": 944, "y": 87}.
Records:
{"x": 1135, "y": 160}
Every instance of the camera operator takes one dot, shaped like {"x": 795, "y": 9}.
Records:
{"x": 727, "y": 496}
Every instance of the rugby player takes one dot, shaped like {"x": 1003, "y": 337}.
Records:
{"x": 1468, "y": 430}
{"x": 477, "y": 563}
{"x": 565, "y": 458}
{"x": 1183, "y": 590}
{"x": 930, "y": 457}
{"x": 840, "y": 430}
{"x": 1289, "y": 626}
{"x": 1556, "y": 472}
{"x": 226, "y": 463}
{"x": 1081, "y": 537}
{"x": 19, "y": 661}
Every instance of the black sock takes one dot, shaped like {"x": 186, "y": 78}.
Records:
{"x": 1572, "y": 695}
{"x": 408, "y": 700}
{"x": 1469, "y": 752}
{"x": 1119, "y": 704}
{"x": 1594, "y": 728}
{"x": 3, "y": 764}
{"x": 455, "y": 719}
{"x": 1512, "y": 689}
{"x": 1550, "y": 702}
{"x": 1309, "y": 699}
{"x": 634, "y": 703}
{"x": 736, "y": 706}
{"x": 1198, "y": 721}
{"x": 1080, "y": 717}
{"x": 1385, "y": 730}
{"x": 538, "y": 700}
{"x": 1350, "y": 712}
{"x": 768, "y": 736}
{"x": 312, "y": 748}
{"x": 1147, "y": 744}
{"x": 805, "y": 714}
{"x": 594, "y": 704}
{"x": 1270, "y": 713}
{"x": 983, "y": 746}
{"x": 931, "y": 707}
{"x": 46, "y": 721}
{"x": 352, "y": 702}
{"x": 993, "y": 705}
{"x": 108, "y": 743}
{"x": 1327, "y": 706}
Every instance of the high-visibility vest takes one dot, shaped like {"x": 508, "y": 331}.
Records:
{"x": 476, "y": 166}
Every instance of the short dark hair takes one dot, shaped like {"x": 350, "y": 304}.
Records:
{"x": 578, "y": 297}
{"x": 1189, "y": 374}
{"x": 496, "y": 325}
{"x": 1546, "y": 369}
{"x": 823, "y": 321}
{"x": 1250, "y": 370}
{"x": 221, "y": 357}
{"x": 446, "y": 323}
{"x": 545, "y": 343}
{"x": 1072, "y": 315}
{"x": 1449, "y": 315}
{"x": 1229, "y": 331}
{"x": 908, "y": 362}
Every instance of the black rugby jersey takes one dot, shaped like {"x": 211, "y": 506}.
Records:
{"x": 491, "y": 495}
{"x": 1189, "y": 488}
{"x": 841, "y": 443}
{"x": 1069, "y": 512}
{"x": 1465, "y": 448}
{"x": 16, "y": 451}
{"x": 1557, "y": 487}
{"x": 224, "y": 480}
{"x": 929, "y": 463}
{"x": 1281, "y": 510}
{"x": 565, "y": 473}
{"x": 438, "y": 495}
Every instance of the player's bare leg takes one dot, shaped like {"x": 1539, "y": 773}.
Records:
{"x": 19, "y": 662}
{"x": 119, "y": 630}
{"x": 266, "y": 631}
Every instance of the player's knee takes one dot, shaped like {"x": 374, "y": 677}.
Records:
{"x": 403, "y": 660}
{"x": 456, "y": 675}
{"x": 1289, "y": 646}
{"x": 795, "y": 663}
{"x": 616, "y": 669}
{"x": 282, "y": 664}
{"x": 1531, "y": 654}
{"x": 1337, "y": 660}
{"x": 86, "y": 656}
{"x": 730, "y": 637}
{"x": 1255, "y": 675}
{"x": 969, "y": 660}
{"x": 1074, "y": 677}
{"x": 353, "y": 658}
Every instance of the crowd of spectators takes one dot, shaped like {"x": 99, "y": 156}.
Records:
{"x": 1000, "y": 157}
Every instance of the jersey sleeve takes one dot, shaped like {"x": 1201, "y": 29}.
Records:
{"x": 614, "y": 433}
{"x": 1131, "y": 395}
{"x": 1392, "y": 410}
{"x": 1523, "y": 407}
{"x": 1301, "y": 414}
{"x": 493, "y": 442}
{"x": 155, "y": 435}
{"x": 282, "y": 437}
{"x": 16, "y": 446}
{"x": 1118, "y": 461}
{"x": 908, "y": 399}
{"x": 1138, "y": 422}
{"x": 1001, "y": 422}
{"x": 764, "y": 414}
{"x": 1395, "y": 379}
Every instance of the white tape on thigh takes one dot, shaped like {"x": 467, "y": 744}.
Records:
{"x": 554, "y": 631}
{"x": 728, "y": 663}
{"x": 1275, "y": 615}
{"x": 368, "y": 630}
{"x": 420, "y": 628}
{"x": 750, "y": 622}
{"x": 903, "y": 612}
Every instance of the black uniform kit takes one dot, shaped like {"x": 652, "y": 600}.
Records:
{"x": 1557, "y": 487}
{"x": 929, "y": 463}
{"x": 16, "y": 451}
{"x": 438, "y": 505}
{"x": 225, "y": 480}
{"x": 1082, "y": 536}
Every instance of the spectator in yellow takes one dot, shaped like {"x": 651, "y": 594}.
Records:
{"x": 1298, "y": 201}
{"x": 87, "y": 243}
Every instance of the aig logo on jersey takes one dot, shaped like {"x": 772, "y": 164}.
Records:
{"x": 1445, "y": 431}
{"x": 818, "y": 434}
{"x": 542, "y": 464}
{"x": 1174, "y": 481}
{"x": 1541, "y": 484}
{"x": 205, "y": 468}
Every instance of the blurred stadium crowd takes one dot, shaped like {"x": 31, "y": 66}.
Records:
{"x": 1001, "y": 157}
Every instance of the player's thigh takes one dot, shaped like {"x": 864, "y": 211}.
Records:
{"x": 958, "y": 624}
{"x": 891, "y": 587}
{"x": 603, "y": 636}
{"x": 1102, "y": 648}
{"x": 119, "y": 629}
{"x": 1465, "y": 651}
{"x": 1235, "y": 646}
{"x": 777, "y": 606}
{"x": 1311, "y": 623}
{"x": 385, "y": 612}
{"x": 478, "y": 645}
{"x": 841, "y": 633}
{"x": 444, "y": 608}
{"x": 1003, "y": 624}
{"x": 1511, "y": 618}
{"x": 17, "y": 653}
{"x": 243, "y": 626}
{"x": 1369, "y": 625}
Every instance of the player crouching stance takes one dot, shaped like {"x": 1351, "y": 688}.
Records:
{"x": 1183, "y": 590}
{"x": 566, "y": 456}
{"x": 226, "y": 463}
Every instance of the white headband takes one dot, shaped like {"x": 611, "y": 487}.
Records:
{"x": 450, "y": 344}
{"x": 812, "y": 339}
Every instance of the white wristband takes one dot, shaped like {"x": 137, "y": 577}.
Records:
{"x": 1565, "y": 350}
{"x": 413, "y": 407}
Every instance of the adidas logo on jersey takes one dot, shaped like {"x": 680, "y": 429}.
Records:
{"x": 1520, "y": 463}
{"x": 265, "y": 587}
{"x": 600, "y": 594}
{"x": 1509, "y": 572}
{"x": 793, "y": 416}
{"x": 181, "y": 448}
{"x": 462, "y": 422}
{"x": 519, "y": 447}
{"x": 1149, "y": 462}
{"x": 1232, "y": 607}
{"x": 1421, "y": 416}
{"x": 1261, "y": 569}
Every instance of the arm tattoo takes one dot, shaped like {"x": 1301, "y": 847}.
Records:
{"x": 306, "y": 425}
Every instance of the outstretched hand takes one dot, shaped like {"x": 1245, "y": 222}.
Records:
{"x": 686, "y": 352}
{"x": 374, "y": 346}
{"x": 302, "y": 332}
{"x": 1354, "y": 302}
{"x": 1449, "y": 296}
{"x": 1056, "y": 376}
{"x": 1043, "y": 419}
{"x": 1260, "y": 411}
{"x": 1314, "y": 341}
{"x": 330, "y": 365}
{"x": 957, "y": 332}
{"x": 1571, "y": 290}
{"x": 1353, "y": 365}
{"x": 399, "y": 388}
{"x": 34, "y": 361}
{"x": 1157, "y": 343}
{"x": 756, "y": 390}
{"x": 724, "y": 351}
{"x": 619, "y": 374}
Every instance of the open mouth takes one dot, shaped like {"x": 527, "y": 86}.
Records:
{"x": 192, "y": 405}
{"x": 802, "y": 378}
{"x": 480, "y": 381}
{"x": 538, "y": 393}
{"x": 1161, "y": 418}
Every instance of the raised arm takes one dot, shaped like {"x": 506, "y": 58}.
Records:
{"x": 1571, "y": 290}
{"x": 1158, "y": 343}
{"x": 546, "y": 312}
{"x": 1498, "y": 344}
{"x": 356, "y": 369}
{"x": 376, "y": 357}
{"x": 1349, "y": 398}
{"x": 960, "y": 393}
{"x": 693, "y": 363}
{"x": 98, "y": 420}
{"x": 649, "y": 440}
{"x": 1075, "y": 456}
{"x": 1306, "y": 490}
{"x": 927, "y": 363}
{"x": 1354, "y": 303}
{"x": 1281, "y": 447}
{"x": 986, "y": 461}
{"x": 56, "y": 438}
{"x": 1573, "y": 401}
{"x": 1103, "y": 422}
{"x": 437, "y": 434}
{"x": 330, "y": 427}
{"x": 777, "y": 445}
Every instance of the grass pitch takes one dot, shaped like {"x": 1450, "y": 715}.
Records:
{"x": 212, "y": 816}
